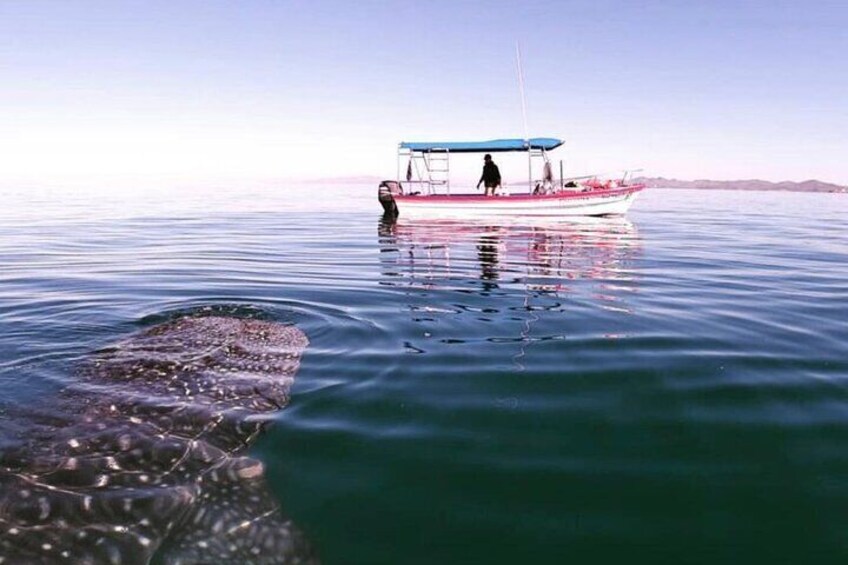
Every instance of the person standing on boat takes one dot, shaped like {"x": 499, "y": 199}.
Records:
{"x": 491, "y": 176}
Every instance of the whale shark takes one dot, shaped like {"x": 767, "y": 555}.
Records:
{"x": 143, "y": 458}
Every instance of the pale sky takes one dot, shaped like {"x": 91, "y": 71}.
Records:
{"x": 285, "y": 90}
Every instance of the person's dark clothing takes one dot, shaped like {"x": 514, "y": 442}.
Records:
{"x": 491, "y": 176}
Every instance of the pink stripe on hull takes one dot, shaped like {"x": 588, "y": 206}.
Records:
{"x": 479, "y": 199}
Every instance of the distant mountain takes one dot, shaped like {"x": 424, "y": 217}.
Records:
{"x": 363, "y": 179}
{"x": 754, "y": 184}
{"x": 658, "y": 182}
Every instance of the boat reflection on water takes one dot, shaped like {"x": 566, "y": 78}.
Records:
{"x": 504, "y": 287}
{"x": 487, "y": 255}
{"x": 541, "y": 256}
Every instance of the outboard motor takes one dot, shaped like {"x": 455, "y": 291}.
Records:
{"x": 386, "y": 195}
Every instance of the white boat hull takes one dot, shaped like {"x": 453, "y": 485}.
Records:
{"x": 591, "y": 203}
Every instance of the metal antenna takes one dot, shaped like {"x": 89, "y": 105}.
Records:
{"x": 521, "y": 87}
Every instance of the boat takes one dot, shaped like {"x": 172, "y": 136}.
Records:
{"x": 426, "y": 191}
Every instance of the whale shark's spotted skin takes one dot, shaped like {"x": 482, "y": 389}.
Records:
{"x": 142, "y": 459}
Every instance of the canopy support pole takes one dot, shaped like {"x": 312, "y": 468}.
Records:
{"x": 561, "y": 181}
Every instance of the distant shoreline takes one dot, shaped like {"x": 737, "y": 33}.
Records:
{"x": 753, "y": 184}
{"x": 662, "y": 182}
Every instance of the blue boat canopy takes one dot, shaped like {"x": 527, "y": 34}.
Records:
{"x": 491, "y": 146}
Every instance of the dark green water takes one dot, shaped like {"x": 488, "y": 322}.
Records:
{"x": 669, "y": 388}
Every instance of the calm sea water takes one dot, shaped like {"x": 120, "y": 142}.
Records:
{"x": 667, "y": 388}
